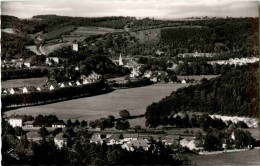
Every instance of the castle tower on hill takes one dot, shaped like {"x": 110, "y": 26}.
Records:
{"x": 121, "y": 60}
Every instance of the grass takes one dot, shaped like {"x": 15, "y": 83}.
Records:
{"x": 23, "y": 82}
{"x": 250, "y": 157}
{"x": 48, "y": 48}
{"x": 135, "y": 100}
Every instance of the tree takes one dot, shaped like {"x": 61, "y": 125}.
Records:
{"x": 39, "y": 120}
{"x": 124, "y": 114}
{"x": 242, "y": 124}
{"x": 18, "y": 131}
{"x": 122, "y": 125}
{"x": 43, "y": 132}
{"x": 83, "y": 123}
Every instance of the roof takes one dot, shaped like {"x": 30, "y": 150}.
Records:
{"x": 130, "y": 135}
{"x": 15, "y": 116}
{"x": 138, "y": 143}
{"x": 115, "y": 137}
{"x": 16, "y": 89}
{"x": 60, "y": 136}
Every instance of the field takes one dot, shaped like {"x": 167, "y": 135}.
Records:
{"x": 23, "y": 82}
{"x": 48, "y": 48}
{"x": 90, "y": 108}
{"x": 250, "y": 157}
{"x": 82, "y": 32}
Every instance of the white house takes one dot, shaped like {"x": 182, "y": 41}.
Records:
{"x": 183, "y": 81}
{"x": 60, "y": 141}
{"x": 132, "y": 144}
{"x": 78, "y": 83}
{"x": 15, "y": 91}
{"x": 62, "y": 85}
{"x": 27, "y": 64}
{"x": 70, "y": 84}
{"x": 58, "y": 125}
{"x": 113, "y": 140}
{"x": 50, "y": 60}
{"x": 38, "y": 89}
{"x": 75, "y": 47}
{"x": 128, "y": 137}
{"x": 29, "y": 89}
{"x": 51, "y": 87}
{"x": 15, "y": 120}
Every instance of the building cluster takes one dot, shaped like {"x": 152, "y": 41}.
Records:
{"x": 16, "y": 120}
{"x": 132, "y": 65}
{"x": 16, "y": 63}
{"x": 131, "y": 141}
{"x": 93, "y": 77}
{"x": 196, "y": 54}
{"x": 235, "y": 61}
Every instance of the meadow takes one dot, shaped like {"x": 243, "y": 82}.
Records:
{"x": 24, "y": 82}
{"x": 135, "y": 100}
{"x": 250, "y": 157}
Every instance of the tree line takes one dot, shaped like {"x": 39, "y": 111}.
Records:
{"x": 23, "y": 73}
{"x": 131, "y": 84}
{"x": 42, "y": 97}
{"x": 235, "y": 92}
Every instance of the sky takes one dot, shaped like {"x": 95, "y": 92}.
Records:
{"x": 159, "y": 9}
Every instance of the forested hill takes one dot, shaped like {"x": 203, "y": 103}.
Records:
{"x": 233, "y": 93}
{"x": 238, "y": 35}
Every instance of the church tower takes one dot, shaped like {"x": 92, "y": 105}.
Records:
{"x": 121, "y": 60}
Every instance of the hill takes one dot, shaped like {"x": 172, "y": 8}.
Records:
{"x": 235, "y": 92}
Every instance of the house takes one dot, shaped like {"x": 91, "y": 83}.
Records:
{"x": 148, "y": 74}
{"x": 97, "y": 138}
{"x": 62, "y": 85}
{"x": 33, "y": 136}
{"x": 28, "y": 124}
{"x": 29, "y": 89}
{"x": 52, "y": 60}
{"x": 158, "y": 52}
{"x": 133, "y": 144}
{"x": 58, "y": 125}
{"x": 70, "y": 84}
{"x": 154, "y": 79}
{"x": 113, "y": 140}
{"x": 60, "y": 141}
{"x": 15, "y": 91}
{"x": 27, "y": 63}
{"x": 4, "y": 91}
{"x": 183, "y": 81}
{"x": 171, "y": 139}
{"x": 15, "y": 120}
{"x": 128, "y": 137}
{"x": 135, "y": 73}
{"x": 75, "y": 47}
{"x": 38, "y": 89}
{"x": 78, "y": 83}
{"x": 51, "y": 87}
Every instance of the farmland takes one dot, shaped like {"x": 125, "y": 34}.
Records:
{"x": 250, "y": 157}
{"x": 82, "y": 32}
{"x": 135, "y": 100}
{"x": 23, "y": 82}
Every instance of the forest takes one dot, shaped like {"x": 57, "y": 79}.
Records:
{"x": 218, "y": 35}
{"x": 23, "y": 73}
{"x": 235, "y": 92}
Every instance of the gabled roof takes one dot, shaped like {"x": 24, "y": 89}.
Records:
{"x": 130, "y": 135}
{"x": 113, "y": 137}
{"x": 60, "y": 136}
{"x": 28, "y": 122}
{"x": 138, "y": 143}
